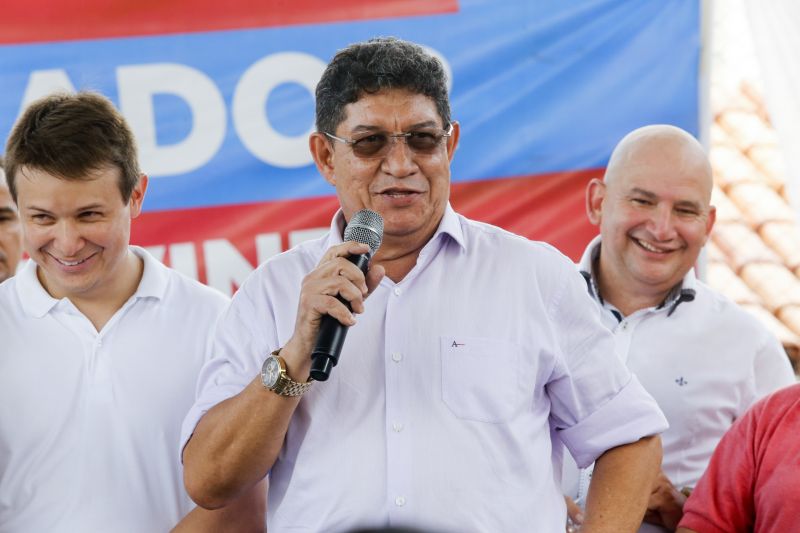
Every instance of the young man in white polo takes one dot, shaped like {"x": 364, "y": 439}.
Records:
{"x": 101, "y": 343}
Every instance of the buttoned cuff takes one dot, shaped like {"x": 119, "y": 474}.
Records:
{"x": 629, "y": 416}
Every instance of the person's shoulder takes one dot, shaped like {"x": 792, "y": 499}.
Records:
{"x": 8, "y": 292}
{"x": 728, "y": 314}
{"x": 290, "y": 264}
{"x": 176, "y": 284}
{"x": 482, "y": 234}
{"x": 11, "y": 309}
{"x": 300, "y": 255}
{"x": 192, "y": 290}
{"x": 777, "y": 405}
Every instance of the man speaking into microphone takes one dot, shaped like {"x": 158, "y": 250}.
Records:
{"x": 473, "y": 348}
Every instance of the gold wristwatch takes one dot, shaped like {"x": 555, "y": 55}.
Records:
{"x": 275, "y": 378}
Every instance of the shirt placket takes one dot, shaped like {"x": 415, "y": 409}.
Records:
{"x": 623, "y": 334}
{"x": 398, "y": 426}
{"x": 96, "y": 353}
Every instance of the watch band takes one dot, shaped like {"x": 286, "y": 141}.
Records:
{"x": 286, "y": 386}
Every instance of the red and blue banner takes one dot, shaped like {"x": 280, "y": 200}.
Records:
{"x": 220, "y": 97}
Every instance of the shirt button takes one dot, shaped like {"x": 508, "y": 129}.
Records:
{"x": 397, "y": 427}
{"x": 399, "y": 501}
{"x": 624, "y": 326}
{"x": 397, "y": 357}
{"x": 398, "y": 291}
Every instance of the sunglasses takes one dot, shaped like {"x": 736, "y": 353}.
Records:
{"x": 377, "y": 145}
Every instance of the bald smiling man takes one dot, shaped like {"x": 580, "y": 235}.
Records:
{"x": 702, "y": 358}
{"x": 10, "y": 233}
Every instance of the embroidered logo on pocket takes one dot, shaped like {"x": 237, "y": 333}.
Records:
{"x": 480, "y": 378}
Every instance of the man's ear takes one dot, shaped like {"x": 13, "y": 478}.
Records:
{"x": 712, "y": 217}
{"x": 137, "y": 196}
{"x": 595, "y": 194}
{"x": 322, "y": 152}
{"x": 452, "y": 141}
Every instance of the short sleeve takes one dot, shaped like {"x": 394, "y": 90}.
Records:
{"x": 771, "y": 367}
{"x": 245, "y": 334}
{"x": 596, "y": 403}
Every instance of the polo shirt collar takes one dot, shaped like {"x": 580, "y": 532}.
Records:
{"x": 155, "y": 276}
{"x": 37, "y": 302}
{"x": 450, "y": 226}
{"x": 682, "y": 292}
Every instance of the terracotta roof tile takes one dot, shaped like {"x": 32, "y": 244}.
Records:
{"x": 713, "y": 253}
{"x": 749, "y": 90}
{"x": 753, "y": 255}
{"x": 747, "y": 128}
{"x": 720, "y": 137}
{"x": 769, "y": 161}
{"x": 726, "y": 210}
{"x": 732, "y": 167}
{"x": 790, "y": 316}
{"x": 777, "y": 286}
{"x": 725, "y": 280}
{"x": 741, "y": 245}
{"x": 784, "y": 238}
{"x": 760, "y": 204}
{"x": 725, "y": 98}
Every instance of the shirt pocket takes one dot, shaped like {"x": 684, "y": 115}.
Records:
{"x": 480, "y": 378}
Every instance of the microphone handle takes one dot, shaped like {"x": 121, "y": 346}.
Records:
{"x": 332, "y": 333}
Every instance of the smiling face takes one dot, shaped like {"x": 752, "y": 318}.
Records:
{"x": 654, "y": 214}
{"x": 77, "y": 231}
{"x": 410, "y": 190}
{"x": 10, "y": 233}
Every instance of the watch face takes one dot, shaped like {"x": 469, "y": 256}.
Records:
{"x": 272, "y": 370}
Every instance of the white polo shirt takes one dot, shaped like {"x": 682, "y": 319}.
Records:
{"x": 703, "y": 358}
{"x": 440, "y": 410}
{"x": 89, "y": 421}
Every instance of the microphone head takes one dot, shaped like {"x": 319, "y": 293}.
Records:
{"x": 366, "y": 227}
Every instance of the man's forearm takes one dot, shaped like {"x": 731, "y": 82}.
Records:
{"x": 235, "y": 444}
{"x": 621, "y": 485}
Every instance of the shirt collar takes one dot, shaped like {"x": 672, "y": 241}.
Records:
{"x": 155, "y": 276}
{"x": 37, "y": 302}
{"x": 586, "y": 267}
{"x": 682, "y": 292}
{"x": 450, "y": 226}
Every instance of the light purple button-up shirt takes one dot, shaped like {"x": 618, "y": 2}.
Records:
{"x": 440, "y": 412}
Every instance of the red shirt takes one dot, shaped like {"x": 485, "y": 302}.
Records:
{"x": 753, "y": 480}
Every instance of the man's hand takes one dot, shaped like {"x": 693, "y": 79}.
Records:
{"x": 574, "y": 515}
{"x": 334, "y": 276}
{"x": 665, "y": 507}
{"x": 238, "y": 440}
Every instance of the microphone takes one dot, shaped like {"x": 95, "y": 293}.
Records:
{"x": 365, "y": 227}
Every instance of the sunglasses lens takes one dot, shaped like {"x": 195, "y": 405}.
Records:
{"x": 377, "y": 144}
{"x": 370, "y": 146}
{"x": 423, "y": 142}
